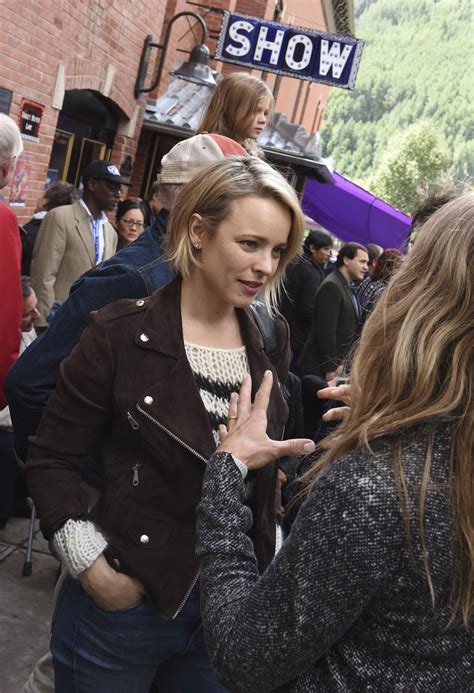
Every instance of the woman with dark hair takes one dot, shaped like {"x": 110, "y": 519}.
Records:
{"x": 303, "y": 278}
{"x": 129, "y": 221}
{"x": 374, "y": 588}
{"x": 370, "y": 289}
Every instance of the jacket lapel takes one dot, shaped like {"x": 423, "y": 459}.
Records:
{"x": 258, "y": 364}
{"x": 347, "y": 293}
{"x": 174, "y": 400}
{"x": 83, "y": 228}
{"x": 109, "y": 234}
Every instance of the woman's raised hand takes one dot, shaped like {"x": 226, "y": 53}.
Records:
{"x": 245, "y": 435}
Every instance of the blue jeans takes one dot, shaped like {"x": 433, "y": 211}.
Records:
{"x": 123, "y": 651}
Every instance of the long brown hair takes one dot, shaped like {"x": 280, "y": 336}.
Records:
{"x": 387, "y": 263}
{"x": 415, "y": 362}
{"x": 233, "y": 102}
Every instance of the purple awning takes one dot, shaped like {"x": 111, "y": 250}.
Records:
{"x": 353, "y": 214}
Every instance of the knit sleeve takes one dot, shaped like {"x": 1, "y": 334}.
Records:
{"x": 262, "y": 632}
{"x": 78, "y": 544}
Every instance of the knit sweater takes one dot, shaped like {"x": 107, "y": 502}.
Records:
{"x": 218, "y": 373}
{"x": 342, "y": 607}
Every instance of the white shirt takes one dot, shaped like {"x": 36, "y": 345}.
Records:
{"x": 100, "y": 231}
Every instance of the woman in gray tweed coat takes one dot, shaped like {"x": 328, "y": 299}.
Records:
{"x": 374, "y": 588}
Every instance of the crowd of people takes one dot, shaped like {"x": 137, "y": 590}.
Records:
{"x": 253, "y": 464}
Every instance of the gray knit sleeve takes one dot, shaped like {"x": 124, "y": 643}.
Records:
{"x": 262, "y": 632}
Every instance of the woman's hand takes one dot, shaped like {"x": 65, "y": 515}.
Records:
{"x": 245, "y": 435}
{"x": 111, "y": 590}
{"x": 341, "y": 393}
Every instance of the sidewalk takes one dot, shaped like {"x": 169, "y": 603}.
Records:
{"x": 25, "y": 604}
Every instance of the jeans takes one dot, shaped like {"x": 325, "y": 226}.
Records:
{"x": 123, "y": 651}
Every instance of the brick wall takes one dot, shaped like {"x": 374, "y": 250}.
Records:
{"x": 97, "y": 43}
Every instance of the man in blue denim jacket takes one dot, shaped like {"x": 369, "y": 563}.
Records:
{"x": 134, "y": 272}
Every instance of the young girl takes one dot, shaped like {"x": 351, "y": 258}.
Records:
{"x": 149, "y": 383}
{"x": 240, "y": 107}
{"x": 374, "y": 588}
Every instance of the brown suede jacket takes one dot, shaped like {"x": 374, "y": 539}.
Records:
{"x": 128, "y": 388}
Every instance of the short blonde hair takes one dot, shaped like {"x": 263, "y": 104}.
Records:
{"x": 233, "y": 102}
{"x": 211, "y": 194}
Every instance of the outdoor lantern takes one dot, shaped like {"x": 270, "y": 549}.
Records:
{"x": 196, "y": 69}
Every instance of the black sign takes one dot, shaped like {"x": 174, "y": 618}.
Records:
{"x": 30, "y": 119}
{"x": 5, "y": 100}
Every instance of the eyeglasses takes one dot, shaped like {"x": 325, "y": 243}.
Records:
{"x": 131, "y": 222}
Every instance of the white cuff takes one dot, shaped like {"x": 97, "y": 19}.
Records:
{"x": 241, "y": 466}
{"x": 78, "y": 543}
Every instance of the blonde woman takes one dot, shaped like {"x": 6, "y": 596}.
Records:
{"x": 150, "y": 382}
{"x": 240, "y": 107}
{"x": 374, "y": 588}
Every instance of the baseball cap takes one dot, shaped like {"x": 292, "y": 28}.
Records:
{"x": 189, "y": 156}
{"x": 103, "y": 170}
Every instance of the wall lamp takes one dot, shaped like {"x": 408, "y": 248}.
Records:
{"x": 195, "y": 69}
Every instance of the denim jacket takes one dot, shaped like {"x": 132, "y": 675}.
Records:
{"x": 134, "y": 272}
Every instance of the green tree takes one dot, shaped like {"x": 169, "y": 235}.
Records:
{"x": 417, "y": 64}
{"x": 414, "y": 164}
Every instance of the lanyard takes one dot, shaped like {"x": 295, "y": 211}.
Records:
{"x": 96, "y": 224}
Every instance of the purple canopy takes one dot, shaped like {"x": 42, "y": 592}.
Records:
{"x": 353, "y": 214}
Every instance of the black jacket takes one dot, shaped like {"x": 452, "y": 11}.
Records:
{"x": 28, "y": 240}
{"x": 303, "y": 278}
{"x": 128, "y": 385}
{"x": 333, "y": 328}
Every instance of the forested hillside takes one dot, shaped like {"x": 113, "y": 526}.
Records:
{"x": 417, "y": 68}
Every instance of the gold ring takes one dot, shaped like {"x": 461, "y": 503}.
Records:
{"x": 229, "y": 418}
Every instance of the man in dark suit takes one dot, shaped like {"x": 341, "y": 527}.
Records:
{"x": 303, "y": 277}
{"x": 336, "y": 314}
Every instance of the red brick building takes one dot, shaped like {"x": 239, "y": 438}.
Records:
{"x": 79, "y": 60}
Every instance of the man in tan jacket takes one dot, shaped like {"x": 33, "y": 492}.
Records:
{"x": 75, "y": 238}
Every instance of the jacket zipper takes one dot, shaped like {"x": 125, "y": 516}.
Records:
{"x": 132, "y": 421}
{"x": 135, "y": 468}
{"x": 163, "y": 428}
{"x": 186, "y": 596}
{"x": 134, "y": 425}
